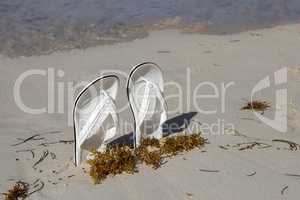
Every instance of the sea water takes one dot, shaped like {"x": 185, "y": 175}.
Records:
{"x": 29, "y": 27}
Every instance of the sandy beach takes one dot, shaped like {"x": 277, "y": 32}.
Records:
{"x": 220, "y": 170}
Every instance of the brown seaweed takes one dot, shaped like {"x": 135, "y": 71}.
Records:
{"x": 111, "y": 162}
{"x": 257, "y": 105}
{"x": 149, "y": 153}
{"x": 117, "y": 160}
{"x": 19, "y": 191}
{"x": 174, "y": 145}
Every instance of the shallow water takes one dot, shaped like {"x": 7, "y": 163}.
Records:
{"x": 29, "y": 27}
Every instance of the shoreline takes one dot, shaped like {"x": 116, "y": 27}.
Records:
{"x": 91, "y": 38}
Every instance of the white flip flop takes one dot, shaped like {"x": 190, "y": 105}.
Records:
{"x": 145, "y": 94}
{"x": 95, "y": 117}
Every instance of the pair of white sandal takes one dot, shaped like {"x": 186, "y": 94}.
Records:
{"x": 95, "y": 116}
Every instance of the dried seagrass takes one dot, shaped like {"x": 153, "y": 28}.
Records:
{"x": 149, "y": 153}
{"x": 150, "y": 142}
{"x": 117, "y": 160}
{"x": 111, "y": 162}
{"x": 19, "y": 191}
{"x": 257, "y": 106}
{"x": 174, "y": 145}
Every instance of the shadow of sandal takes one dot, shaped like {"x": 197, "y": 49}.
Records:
{"x": 171, "y": 126}
{"x": 178, "y": 124}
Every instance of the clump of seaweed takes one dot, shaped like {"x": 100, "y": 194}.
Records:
{"x": 111, "y": 162}
{"x": 149, "y": 153}
{"x": 174, "y": 145}
{"x": 150, "y": 142}
{"x": 19, "y": 191}
{"x": 117, "y": 160}
{"x": 257, "y": 105}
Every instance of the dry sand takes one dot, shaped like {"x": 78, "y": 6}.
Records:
{"x": 244, "y": 58}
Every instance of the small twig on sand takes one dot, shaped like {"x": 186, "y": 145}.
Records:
{"x": 45, "y": 144}
{"x": 222, "y": 147}
{"x": 42, "y": 158}
{"x": 251, "y": 145}
{"x": 284, "y": 189}
{"x": 265, "y": 146}
{"x": 37, "y": 185}
{"x": 66, "y": 141}
{"x": 252, "y": 174}
{"x": 206, "y": 170}
{"x": 27, "y": 150}
{"x": 41, "y": 138}
{"x": 27, "y": 139}
{"x": 189, "y": 194}
{"x": 36, "y": 181}
{"x": 295, "y": 175}
{"x": 293, "y": 146}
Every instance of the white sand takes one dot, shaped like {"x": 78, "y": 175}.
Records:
{"x": 244, "y": 58}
